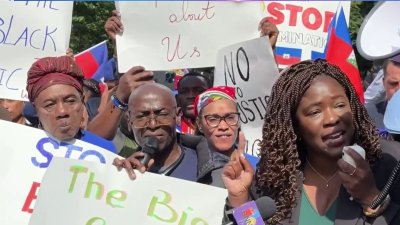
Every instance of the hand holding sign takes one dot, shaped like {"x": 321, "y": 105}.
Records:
{"x": 132, "y": 79}
{"x": 113, "y": 25}
{"x": 131, "y": 163}
{"x": 270, "y": 30}
{"x": 237, "y": 175}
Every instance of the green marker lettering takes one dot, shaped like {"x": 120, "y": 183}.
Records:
{"x": 98, "y": 186}
{"x": 75, "y": 170}
{"x": 119, "y": 196}
{"x": 155, "y": 201}
{"x": 198, "y": 221}
{"x": 93, "y": 221}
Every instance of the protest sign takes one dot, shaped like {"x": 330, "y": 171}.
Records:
{"x": 303, "y": 27}
{"x": 164, "y": 35}
{"x": 250, "y": 68}
{"x": 26, "y": 154}
{"x": 92, "y": 194}
{"x": 30, "y": 30}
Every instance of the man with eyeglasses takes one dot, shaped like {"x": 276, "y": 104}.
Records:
{"x": 152, "y": 112}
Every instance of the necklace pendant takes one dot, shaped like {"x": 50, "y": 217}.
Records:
{"x": 327, "y": 185}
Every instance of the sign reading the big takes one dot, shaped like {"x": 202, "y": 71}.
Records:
{"x": 29, "y": 30}
{"x": 94, "y": 194}
{"x": 163, "y": 35}
{"x": 25, "y": 155}
{"x": 250, "y": 68}
{"x": 303, "y": 27}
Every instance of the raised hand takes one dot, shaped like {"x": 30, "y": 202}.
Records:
{"x": 237, "y": 175}
{"x": 113, "y": 25}
{"x": 270, "y": 30}
{"x": 132, "y": 79}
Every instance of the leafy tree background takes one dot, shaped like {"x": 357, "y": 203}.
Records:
{"x": 358, "y": 11}
{"x": 89, "y": 18}
{"x": 88, "y": 21}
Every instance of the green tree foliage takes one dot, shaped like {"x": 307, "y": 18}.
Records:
{"x": 358, "y": 11}
{"x": 88, "y": 21}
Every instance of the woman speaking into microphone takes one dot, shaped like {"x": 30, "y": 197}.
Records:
{"x": 312, "y": 114}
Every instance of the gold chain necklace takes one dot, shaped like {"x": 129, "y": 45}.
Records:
{"x": 326, "y": 180}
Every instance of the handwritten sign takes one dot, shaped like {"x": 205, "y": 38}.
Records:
{"x": 250, "y": 68}
{"x": 26, "y": 154}
{"x": 29, "y": 30}
{"x": 164, "y": 35}
{"x": 303, "y": 27}
{"x": 94, "y": 194}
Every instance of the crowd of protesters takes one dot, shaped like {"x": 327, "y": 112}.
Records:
{"x": 313, "y": 112}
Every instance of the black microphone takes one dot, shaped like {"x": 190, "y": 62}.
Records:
{"x": 149, "y": 148}
{"x": 254, "y": 212}
{"x": 387, "y": 188}
{"x": 266, "y": 206}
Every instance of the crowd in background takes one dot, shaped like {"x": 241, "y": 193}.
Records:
{"x": 313, "y": 112}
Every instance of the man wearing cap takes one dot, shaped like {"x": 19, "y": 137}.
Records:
{"x": 55, "y": 89}
{"x": 391, "y": 83}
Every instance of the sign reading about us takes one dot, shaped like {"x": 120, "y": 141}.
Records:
{"x": 164, "y": 35}
{"x": 30, "y": 30}
{"x": 251, "y": 69}
{"x": 86, "y": 193}
{"x": 26, "y": 153}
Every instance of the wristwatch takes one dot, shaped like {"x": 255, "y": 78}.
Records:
{"x": 369, "y": 212}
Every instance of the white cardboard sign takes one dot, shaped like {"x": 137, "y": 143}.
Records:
{"x": 249, "y": 67}
{"x": 26, "y": 154}
{"x": 30, "y": 30}
{"x": 94, "y": 194}
{"x": 164, "y": 35}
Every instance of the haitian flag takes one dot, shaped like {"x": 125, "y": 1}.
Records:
{"x": 91, "y": 60}
{"x": 106, "y": 72}
{"x": 287, "y": 56}
{"x": 339, "y": 51}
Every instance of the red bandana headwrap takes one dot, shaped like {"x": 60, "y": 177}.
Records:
{"x": 212, "y": 95}
{"x": 53, "y": 70}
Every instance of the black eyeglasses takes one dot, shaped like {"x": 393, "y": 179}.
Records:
{"x": 162, "y": 118}
{"x": 231, "y": 119}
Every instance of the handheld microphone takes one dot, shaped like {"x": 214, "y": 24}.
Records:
{"x": 149, "y": 148}
{"x": 347, "y": 158}
{"x": 255, "y": 212}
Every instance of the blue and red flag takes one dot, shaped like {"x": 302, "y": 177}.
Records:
{"x": 287, "y": 56}
{"x": 339, "y": 51}
{"x": 92, "y": 59}
{"x": 106, "y": 71}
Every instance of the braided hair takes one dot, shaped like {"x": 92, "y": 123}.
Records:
{"x": 282, "y": 155}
